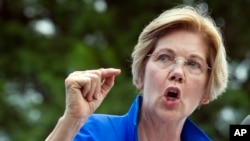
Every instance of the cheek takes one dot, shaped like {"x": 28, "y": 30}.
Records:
{"x": 153, "y": 78}
{"x": 196, "y": 88}
{"x": 193, "y": 94}
{"x": 152, "y": 86}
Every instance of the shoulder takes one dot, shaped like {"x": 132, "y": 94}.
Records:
{"x": 191, "y": 132}
{"x": 106, "y": 127}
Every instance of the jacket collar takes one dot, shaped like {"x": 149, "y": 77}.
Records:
{"x": 190, "y": 131}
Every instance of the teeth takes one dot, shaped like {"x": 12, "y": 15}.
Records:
{"x": 173, "y": 91}
{"x": 172, "y": 94}
{"x": 171, "y": 98}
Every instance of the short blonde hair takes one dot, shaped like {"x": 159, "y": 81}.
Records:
{"x": 191, "y": 19}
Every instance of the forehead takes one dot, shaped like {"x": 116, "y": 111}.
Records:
{"x": 183, "y": 43}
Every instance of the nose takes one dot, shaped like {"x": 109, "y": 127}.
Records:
{"x": 177, "y": 74}
{"x": 177, "y": 77}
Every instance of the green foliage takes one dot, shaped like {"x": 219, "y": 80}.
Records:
{"x": 90, "y": 34}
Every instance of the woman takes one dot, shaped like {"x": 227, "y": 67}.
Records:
{"x": 179, "y": 64}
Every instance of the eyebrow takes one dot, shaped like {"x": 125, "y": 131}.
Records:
{"x": 165, "y": 50}
{"x": 192, "y": 56}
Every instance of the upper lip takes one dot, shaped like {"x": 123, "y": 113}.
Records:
{"x": 173, "y": 89}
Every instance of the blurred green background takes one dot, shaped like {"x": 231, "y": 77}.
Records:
{"x": 42, "y": 41}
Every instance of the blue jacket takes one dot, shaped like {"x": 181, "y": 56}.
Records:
{"x": 102, "y": 127}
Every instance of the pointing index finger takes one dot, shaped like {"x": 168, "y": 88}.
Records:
{"x": 105, "y": 73}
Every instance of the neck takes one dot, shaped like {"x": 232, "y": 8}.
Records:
{"x": 150, "y": 129}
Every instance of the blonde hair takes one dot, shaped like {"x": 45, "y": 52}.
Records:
{"x": 184, "y": 18}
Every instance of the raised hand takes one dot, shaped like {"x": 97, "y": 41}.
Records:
{"x": 85, "y": 91}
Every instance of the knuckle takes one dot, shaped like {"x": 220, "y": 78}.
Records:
{"x": 68, "y": 80}
{"x": 95, "y": 77}
{"x": 83, "y": 77}
{"x": 87, "y": 80}
{"x": 98, "y": 72}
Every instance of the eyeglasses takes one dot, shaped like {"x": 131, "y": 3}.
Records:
{"x": 193, "y": 65}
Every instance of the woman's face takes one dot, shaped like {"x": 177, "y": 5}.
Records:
{"x": 173, "y": 88}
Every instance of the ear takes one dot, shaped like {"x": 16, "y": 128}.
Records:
{"x": 204, "y": 101}
{"x": 139, "y": 84}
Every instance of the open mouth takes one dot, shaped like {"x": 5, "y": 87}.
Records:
{"x": 172, "y": 94}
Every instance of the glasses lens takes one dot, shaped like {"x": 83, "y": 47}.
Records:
{"x": 165, "y": 60}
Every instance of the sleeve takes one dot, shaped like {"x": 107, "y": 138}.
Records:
{"x": 96, "y": 128}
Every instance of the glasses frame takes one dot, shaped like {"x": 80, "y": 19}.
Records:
{"x": 206, "y": 67}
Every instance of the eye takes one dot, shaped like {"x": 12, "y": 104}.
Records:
{"x": 194, "y": 64}
{"x": 164, "y": 58}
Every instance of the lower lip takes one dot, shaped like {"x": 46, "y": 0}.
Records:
{"x": 170, "y": 103}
